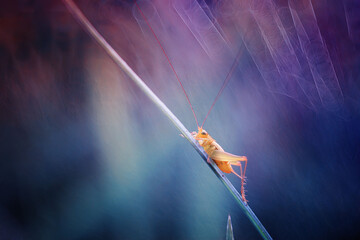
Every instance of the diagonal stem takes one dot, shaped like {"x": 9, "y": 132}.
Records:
{"x": 79, "y": 16}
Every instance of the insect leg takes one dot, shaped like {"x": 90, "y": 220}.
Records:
{"x": 242, "y": 178}
{"x": 237, "y": 174}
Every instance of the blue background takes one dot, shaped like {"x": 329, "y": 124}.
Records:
{"x": 85, "y": 155}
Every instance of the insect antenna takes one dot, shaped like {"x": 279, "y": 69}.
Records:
{"x": 167, "y": 58}
{"x": 228, "y": 77}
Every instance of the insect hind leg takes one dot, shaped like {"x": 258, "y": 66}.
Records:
{"x": 242, "y": 177}
{"x": 236, "y": 174}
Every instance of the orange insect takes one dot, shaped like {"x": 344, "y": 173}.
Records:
{"x": 222, "y": 159}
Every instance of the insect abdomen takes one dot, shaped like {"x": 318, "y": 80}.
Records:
{"x": 224, "y": 166}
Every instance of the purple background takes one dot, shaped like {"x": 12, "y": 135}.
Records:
{"x": 85, "y": 155}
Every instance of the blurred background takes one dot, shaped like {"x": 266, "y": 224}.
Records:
{"x": 85, "y": 155}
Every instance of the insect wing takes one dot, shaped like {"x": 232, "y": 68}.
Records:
{"x": 227, "y": 157}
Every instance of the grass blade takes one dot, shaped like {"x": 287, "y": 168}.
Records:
{"x": 229, "y": 230}
{"x": 84, "y": 22}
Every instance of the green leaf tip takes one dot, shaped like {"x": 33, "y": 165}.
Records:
{"x": 229, "y": 229}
